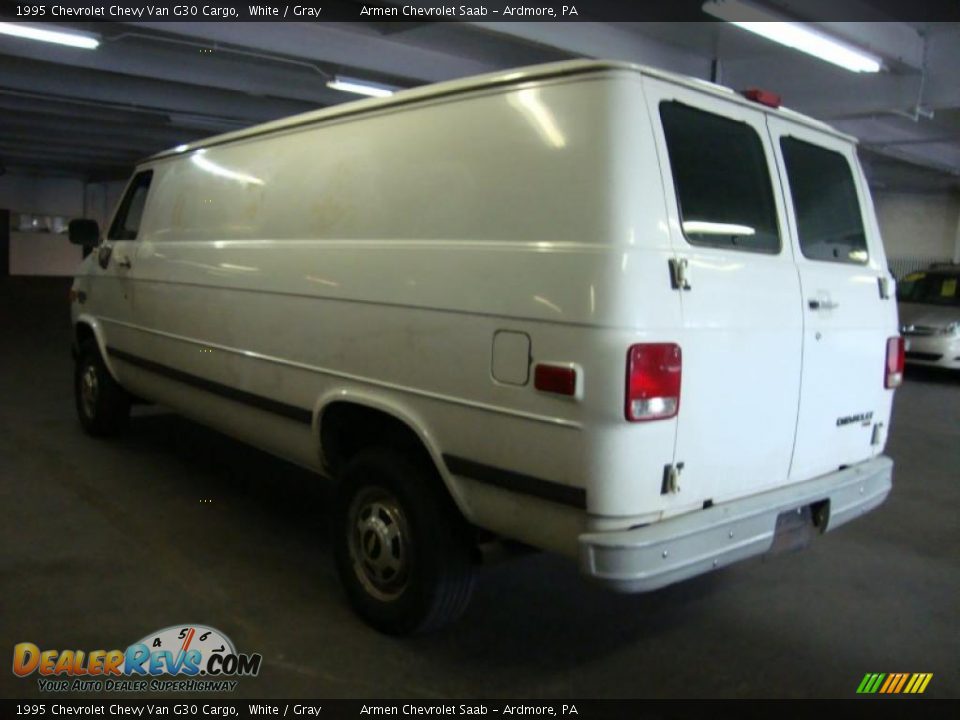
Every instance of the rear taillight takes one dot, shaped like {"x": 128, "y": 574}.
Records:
{"x": 653, "y": 381}
{"x": 895, "y": 361}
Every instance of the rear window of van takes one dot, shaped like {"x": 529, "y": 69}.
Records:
{"x": 825, "y": 203}
{"x": 722, "y": 180}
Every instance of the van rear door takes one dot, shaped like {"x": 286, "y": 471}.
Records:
{"x": 846, "y": 321}
{"x": 741, "y": 330}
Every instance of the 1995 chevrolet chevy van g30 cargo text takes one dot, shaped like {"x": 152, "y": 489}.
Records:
{"x": 590, "y": 307}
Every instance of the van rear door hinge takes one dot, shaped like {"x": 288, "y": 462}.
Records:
{"x": 678, "y": 274}
{"x": 671, "y": 479}
{"x": 884, "y": 282}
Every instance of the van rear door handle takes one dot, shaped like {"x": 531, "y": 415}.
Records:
{"x": 124, "y": 262}
{"x": 816, "y": 304}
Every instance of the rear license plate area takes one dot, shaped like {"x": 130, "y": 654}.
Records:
{"x": 795, "y": 530}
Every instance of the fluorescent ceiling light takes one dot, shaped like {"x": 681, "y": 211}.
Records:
{"x": 360, "y": 87}
{"x": 793, "y": 35}
{"x": 88, "y": 42}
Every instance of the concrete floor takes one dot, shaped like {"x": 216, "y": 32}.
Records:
{"x": 103, "y": 542}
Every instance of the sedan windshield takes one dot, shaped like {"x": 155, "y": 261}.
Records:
{"x": 930, "y": 289}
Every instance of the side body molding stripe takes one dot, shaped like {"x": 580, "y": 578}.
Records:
{"x": 517, "y": 482}
{"x": 260, "y": 402}
{"x": 506, "y": 479}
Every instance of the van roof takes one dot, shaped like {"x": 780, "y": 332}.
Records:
{"x": 490, "y": 80}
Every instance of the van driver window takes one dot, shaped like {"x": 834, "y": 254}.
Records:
{"x": 127, "y": 222}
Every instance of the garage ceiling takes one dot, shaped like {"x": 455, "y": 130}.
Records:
{"x": 150, "y": 86}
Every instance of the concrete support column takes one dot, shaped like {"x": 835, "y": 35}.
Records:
{"x": 4, "y": 243}
{"x": 956, "y": 239}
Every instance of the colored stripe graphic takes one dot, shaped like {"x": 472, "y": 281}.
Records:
{"x": 894, "y": 683}
{"x": 875, "y": 685}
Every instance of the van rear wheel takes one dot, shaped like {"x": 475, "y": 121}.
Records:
{"x": 402, "y": 550}
{"x": 102, "y": 405}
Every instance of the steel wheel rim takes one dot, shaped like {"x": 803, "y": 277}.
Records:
{"x": 378, "y": 537}
{"x": 89, "y": 390}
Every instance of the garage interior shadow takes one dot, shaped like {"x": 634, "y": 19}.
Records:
{"x": 106, "y": 541}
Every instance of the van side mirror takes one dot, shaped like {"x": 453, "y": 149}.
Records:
{"x": 84, "y": 232}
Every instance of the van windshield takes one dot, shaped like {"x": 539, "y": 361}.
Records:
{"x": 930, "y": 289}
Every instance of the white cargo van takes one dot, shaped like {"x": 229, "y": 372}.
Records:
{"x": 594, "y": 308}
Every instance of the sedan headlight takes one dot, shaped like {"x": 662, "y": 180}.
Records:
{"x": 951, "y": 329}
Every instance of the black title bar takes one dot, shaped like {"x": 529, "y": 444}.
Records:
{"x": 200, "y": 707}
{"x": 47, "y": 11}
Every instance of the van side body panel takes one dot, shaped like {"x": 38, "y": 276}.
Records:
{"x": 381, "y": 256}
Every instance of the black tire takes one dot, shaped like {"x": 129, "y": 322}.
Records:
{"x": 402, "y": 549}
{"x": 102, "y": 405}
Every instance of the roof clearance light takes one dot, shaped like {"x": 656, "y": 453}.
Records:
{"x": 793, "y": 35}
{"x": 764, "y": 97}
{"x": 87, "y": 42}
{"x": 360, "y": 87}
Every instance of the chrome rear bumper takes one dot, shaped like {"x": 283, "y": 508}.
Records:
{"x": 655, "y": 555}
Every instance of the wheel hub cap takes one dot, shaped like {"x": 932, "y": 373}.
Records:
{"x": 379, "y": 544}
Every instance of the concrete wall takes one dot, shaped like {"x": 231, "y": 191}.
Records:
{"x": 41, "y": 253}
{"x": 43, "y": 196}
{"x": 918, "y": 225}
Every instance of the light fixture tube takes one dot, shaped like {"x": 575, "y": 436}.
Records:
{"x": 87, "y": 42}
{"x": 360, "y": 87}
{"x": 793, "y": 35}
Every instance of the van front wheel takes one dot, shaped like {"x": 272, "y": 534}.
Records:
{"x": 102, "y": 405}
{"x": 402, "y": 550}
